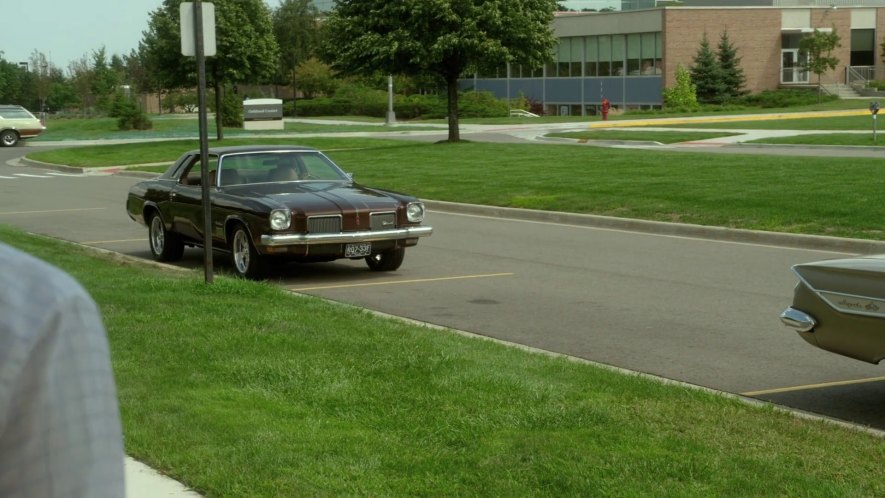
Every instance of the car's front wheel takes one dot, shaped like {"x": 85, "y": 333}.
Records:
{"x": 246, "y": 260}
{"x": 386, "y": 261}
{"x": 8, "y": 138}
{"x": 165, "y": 245}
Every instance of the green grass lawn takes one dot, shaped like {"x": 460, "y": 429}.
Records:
{"x": 842, "y": 197}
{"x": 239, "y": 389}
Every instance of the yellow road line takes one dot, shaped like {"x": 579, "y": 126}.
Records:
{"x": 814, "y": 386}
{"x": 3, "y": 213}
{"x": 398, "y": 282}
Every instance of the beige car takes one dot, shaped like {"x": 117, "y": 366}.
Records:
{"x": 16, "y": 123}
{"x": 839, "y": 306}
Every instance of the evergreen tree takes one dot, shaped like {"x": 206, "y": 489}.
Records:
{"x": 730, "y": 64}
{"x": 707, "y": 75}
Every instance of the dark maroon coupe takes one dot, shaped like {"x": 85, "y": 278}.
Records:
{"x": 275, "y": 203}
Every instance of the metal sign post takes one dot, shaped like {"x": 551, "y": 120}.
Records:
{"x": 874, "y": 109}
{"x": 199, "y": 50}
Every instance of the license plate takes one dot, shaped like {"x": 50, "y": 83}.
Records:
{"x": 357, "y": 250}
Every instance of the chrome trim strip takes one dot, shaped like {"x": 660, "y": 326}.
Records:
{"x": 344, "y": 237}
{"x": 798, "y": 320}
{"x": 851, "y": 304}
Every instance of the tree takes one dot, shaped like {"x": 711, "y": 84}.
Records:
{"x": 707, "y": 75}
{"x": 733, "y": 78}
{"x": 445, "y": 38}
{"x": 314, "y": 77}
{"x": 247, "y": 51}
{"x": 104, "y": 80}
{"x": 684, "y": 94}
{"x": 816, "y": 53}
{"x": 297, "y": 33}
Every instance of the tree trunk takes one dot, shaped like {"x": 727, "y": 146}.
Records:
{"x": 452, "y": 85}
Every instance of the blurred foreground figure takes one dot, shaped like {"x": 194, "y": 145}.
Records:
{"x": 60, "y": 433}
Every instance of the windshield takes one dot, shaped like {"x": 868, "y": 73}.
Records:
{"x": 277, "y": 166}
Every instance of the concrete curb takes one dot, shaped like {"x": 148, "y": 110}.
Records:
{"x": 814, "y": 242}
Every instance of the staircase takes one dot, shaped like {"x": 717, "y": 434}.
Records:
{"x": 842, "y": 91}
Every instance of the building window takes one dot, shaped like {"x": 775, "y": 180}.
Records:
{"x": 592, "y": 56}
{"x": 618, "y": 54}
{"x": 648, "y": 54}
{"x": 863, "y": 47}
{"x": 604, "y": 67}
{"x": 575, "y": 68}
{"x": 633, "y": 53}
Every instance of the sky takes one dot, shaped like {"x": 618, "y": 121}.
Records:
{"x": 66, "y": 30}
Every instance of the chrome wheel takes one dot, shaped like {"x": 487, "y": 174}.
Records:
{"x": 246, "y": 260}
{"x": 165, "y": 246}
{"x": 8, "y": 138}
{"x": 241, "y": 250}
{"x": 157, "y": 236}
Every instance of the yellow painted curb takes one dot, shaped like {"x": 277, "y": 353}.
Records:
{"x": 725, "y": 119}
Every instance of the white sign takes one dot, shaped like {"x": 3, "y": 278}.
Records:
{"x": 188, "y": 43}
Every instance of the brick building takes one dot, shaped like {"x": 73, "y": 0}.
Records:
{"x": 629, "y": 56}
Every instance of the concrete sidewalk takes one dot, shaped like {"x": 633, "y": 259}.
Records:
{"x": 145, "y": 482}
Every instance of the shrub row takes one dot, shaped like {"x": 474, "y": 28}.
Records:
{"x": 374, "y": 104}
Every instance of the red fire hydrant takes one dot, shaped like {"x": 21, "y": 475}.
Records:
{"x": 605, "y": 106}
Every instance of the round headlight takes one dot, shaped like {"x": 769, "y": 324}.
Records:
{"x": 415, "y": 212}
{"x": 280, "y": 219}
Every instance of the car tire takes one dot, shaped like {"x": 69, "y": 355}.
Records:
{"x": 245, "y": 259}
{"x": 386, "y": 261}
{"x": 165, "y": 245}
{"x": 8, "y": 138}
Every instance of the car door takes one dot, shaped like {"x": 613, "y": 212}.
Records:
{"x": 186, "y": 198}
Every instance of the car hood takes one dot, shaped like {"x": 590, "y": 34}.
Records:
{"x": 317, "y": 196}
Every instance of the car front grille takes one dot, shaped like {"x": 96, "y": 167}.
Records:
{"x": 324, "y": 224}
{"x": 383, "y": 221}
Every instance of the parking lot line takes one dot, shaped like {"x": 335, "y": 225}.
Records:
{"x": 813, "y": 386}
{"x": 396, "y": 282}
{"x": 6, "y": 213}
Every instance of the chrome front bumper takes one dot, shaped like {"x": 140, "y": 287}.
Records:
{"x": 302, "y": 239}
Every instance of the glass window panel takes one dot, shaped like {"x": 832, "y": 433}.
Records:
{"x": 577, "y": 50}
{"x": 618, "y": 42}
{"x": 605, "y": 48}
{"x": 633, "y": 46}
{"x": 648, "y": 46}
{"x": 659, "y": 46}
{"x": 575, "y": 69}
{"x": 565, "y": 50}
{"x": 591, "y": 48}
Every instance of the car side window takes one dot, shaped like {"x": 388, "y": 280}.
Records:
{"x": 191, "y": 175}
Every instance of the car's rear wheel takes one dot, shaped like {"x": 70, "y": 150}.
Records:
{"x": 165, "y": 245}
{"x": 8, "y": 138}
{"x": 386, "y": 261}
{"x": 245, "y": 259}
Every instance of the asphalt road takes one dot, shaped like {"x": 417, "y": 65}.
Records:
{"x": 690, "y": 309}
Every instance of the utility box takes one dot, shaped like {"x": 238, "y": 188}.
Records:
{"x": 263, "y": 114}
